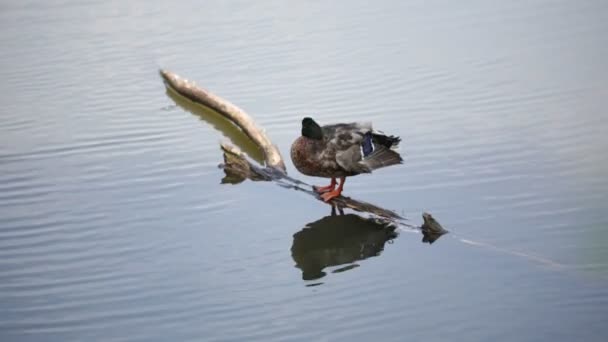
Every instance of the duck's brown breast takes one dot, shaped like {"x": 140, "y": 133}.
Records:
{"x": 300, "y": 156}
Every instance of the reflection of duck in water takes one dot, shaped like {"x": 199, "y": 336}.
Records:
{"x": 338, "y": 240}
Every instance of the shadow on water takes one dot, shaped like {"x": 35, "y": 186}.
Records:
{"x": 339, "y": 240}
{"x": 221, "y": 124}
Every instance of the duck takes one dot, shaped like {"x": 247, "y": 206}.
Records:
{"x": 341, "y": 150}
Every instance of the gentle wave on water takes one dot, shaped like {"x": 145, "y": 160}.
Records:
{"x": 114, "y": 225}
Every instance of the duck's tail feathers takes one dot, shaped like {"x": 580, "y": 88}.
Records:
{"x": 389, "y": 141}
{"x": 382, "y": 157}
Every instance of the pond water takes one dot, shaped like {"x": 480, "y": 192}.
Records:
{"x": 114, "y": 225}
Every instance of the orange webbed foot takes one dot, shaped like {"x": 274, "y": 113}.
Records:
{"x": 328, "y": 196}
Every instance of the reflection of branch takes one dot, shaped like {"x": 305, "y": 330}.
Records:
{"x": 220, "y": 124}
{"x": 238, "y": 167}
{"x": 231, "y": 112}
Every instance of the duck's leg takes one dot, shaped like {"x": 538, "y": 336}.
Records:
{"x": 322, "y": 189}
{"x": 334, "y": 193}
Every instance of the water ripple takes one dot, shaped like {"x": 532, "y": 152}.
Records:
{"x": 114, "y": 225}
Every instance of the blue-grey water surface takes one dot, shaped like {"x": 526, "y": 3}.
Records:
{"x": 114, "y": 225}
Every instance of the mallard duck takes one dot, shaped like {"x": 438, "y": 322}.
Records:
{"x": 340, "y": 151}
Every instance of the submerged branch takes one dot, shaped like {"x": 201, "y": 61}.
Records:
{"x": 238, "y": 168}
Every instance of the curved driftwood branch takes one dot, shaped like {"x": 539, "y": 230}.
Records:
{"x": 238, "y": 167}
{"x": 233, "y": 113}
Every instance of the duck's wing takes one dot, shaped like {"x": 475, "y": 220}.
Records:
{"x": 354, "y": 160}
{"x": 351, "y": 160}
{"x": 343, "y": 143}
{"x": 347, "y": 131}
{"x": 360, "y": 149}
{"x": 343, "y": 136}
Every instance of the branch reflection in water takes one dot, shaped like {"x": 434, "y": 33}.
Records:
{"x": 219, "y": 123}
